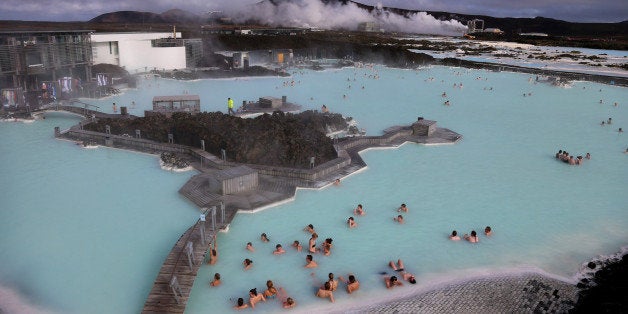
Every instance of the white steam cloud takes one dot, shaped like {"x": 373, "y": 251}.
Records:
{"x": 316, "y": 14}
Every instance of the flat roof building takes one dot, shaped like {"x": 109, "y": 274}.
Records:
{"x": 139, "y": 52}
{"x": 59, "y": 59}
{"x": 167, "y": 105}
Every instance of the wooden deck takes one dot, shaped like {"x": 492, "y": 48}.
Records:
{"x": 162, "y": 296}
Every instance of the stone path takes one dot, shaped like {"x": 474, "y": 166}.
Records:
{"x": 529, "y": 293}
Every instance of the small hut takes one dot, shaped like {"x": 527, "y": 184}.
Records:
{"x": 233, "y": 180}
{"x": 167, "y": 105}
{"x": 423, "y": 127}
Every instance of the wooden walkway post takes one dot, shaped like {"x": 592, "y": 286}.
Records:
{"x": 176, "y": 289}
{"x": 189, "y": 251}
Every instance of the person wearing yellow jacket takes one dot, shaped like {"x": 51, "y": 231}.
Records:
{"x": 230, "y": 106}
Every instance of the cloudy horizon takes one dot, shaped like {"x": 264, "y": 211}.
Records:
{"x": 604, "y": 11}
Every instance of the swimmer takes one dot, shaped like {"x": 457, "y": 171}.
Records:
{"x": 587, "y": 156}
{"x": 264, "y": 237}
{"x": 402, "y": 208}
{"x": 279, "y": 250}
{"x": 333, "y": 284}
{"x": 327, "y": 246}
{"x": 249, "y": 246}
{"x": 398, "y": 219}
{"x": 286, "y": 301}
{"x": 400, "y": 268}
{"x": 359, "y": 210}
{"x": 309, "y": 262}
{"x": 620, "y": 130}
{"x": 270, "y": 291}
{"x": 325, "y": 292}
{"x": 312, "y": 243}
{"x": 216, "y": 281}
{"x": 487, "y": 231}
{"x": 352, "y": 283}
{"x": 392, "y": 281}
{"x": 473, "y": 238}
{"x": 351, "y": 223}
{"x": 454, "y": 236}
{"x": 444, "y": 94}
{"x": 309, "y": 228}
{"x": 289, "y": 303}
{"x": 610, "y": 121}
{"x": 247, "y": 264}
{"x": 241, "y": 305}
{"x": 337, "y": 182}
{"x": 297, "y": 246}
{"x": 255, "y": 297}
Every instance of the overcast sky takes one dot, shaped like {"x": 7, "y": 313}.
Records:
{"x": 83, "y": 10}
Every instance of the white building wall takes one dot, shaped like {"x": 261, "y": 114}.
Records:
{"x": 103, "y": 52}
{"x": 135, "y": 52}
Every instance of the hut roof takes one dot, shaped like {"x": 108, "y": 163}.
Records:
{"x": 175, "y": 98}
{"x": 234, "y": 172}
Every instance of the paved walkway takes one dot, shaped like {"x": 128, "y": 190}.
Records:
{"x": 529, "y": 293}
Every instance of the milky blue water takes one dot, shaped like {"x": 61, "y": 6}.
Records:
{"x": 101, "y": 255}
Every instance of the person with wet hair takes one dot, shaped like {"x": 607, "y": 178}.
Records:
{"x": 352, "y": 283}
{"x": 241, "y": 305}
{"x": 325, "y": 292}
{"x": 473, "y": 238}
{"x": 309, "y": 262}
{"x": 255, "y": 297}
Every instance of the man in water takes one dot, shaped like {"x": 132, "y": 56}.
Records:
{"x": 325, "y": 292}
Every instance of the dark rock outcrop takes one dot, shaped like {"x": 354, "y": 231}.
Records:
{"x": 277, "y": 139}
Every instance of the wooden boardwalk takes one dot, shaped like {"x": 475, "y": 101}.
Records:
{"x": 165, "y": 298}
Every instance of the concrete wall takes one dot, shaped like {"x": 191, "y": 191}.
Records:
{"x": 135, "y": 52}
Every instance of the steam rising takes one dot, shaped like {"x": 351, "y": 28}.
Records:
{"x": 316, "y": 14}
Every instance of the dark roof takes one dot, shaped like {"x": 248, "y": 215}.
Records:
{"x": 176, "y": 98}
{"x": 234, "y": 172}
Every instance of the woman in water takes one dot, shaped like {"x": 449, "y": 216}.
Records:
{"x": 255, "y": 297}
{"x": 297, "y": 245}
{"x": 473, "y": 238}
{"x": 247, "y": 264}
{"x": 264, "y": 237}
{"x": 216, "y": 281}
{"x": 327, "y": 246}
{"x": 454, "y": 236}
{"x": 312, "y": 243}
{"x": 249, "y": 246}
{"x": 270, "y": 291}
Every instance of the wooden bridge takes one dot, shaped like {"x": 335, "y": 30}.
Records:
{"x": 174, "y": 282}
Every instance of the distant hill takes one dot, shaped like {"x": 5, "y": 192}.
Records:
{"x": 171, "y": 16}
{"x": 512, "y": 25}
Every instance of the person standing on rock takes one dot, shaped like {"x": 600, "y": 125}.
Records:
{"x": 230, "y": 106}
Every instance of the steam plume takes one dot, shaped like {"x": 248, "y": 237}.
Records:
{"x": 316, "y": 14}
